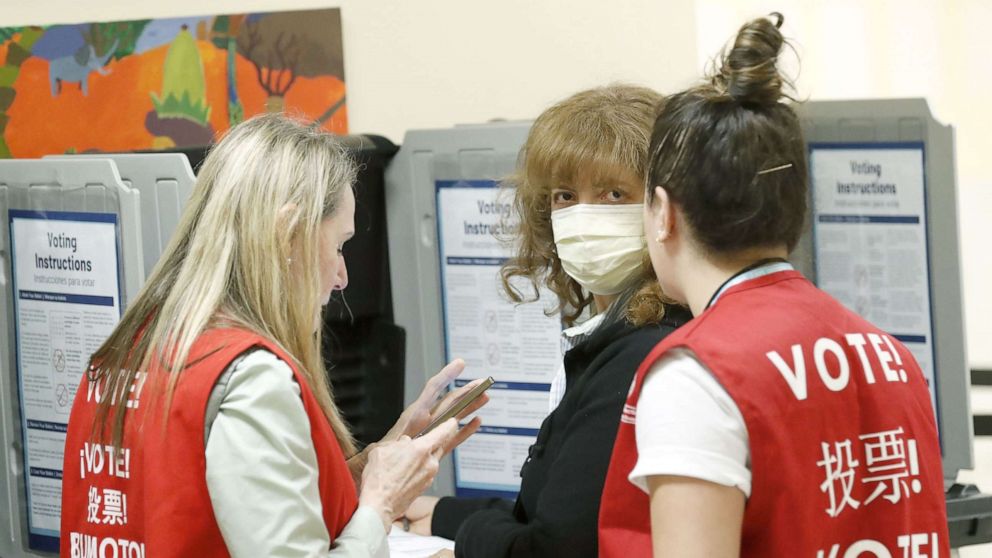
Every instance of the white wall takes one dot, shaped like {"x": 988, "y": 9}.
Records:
{"x": 851, "y": 49}
{"x": 435, "y": 63}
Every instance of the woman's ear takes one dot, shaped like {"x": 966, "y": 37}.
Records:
{"x": 662, "y": 214}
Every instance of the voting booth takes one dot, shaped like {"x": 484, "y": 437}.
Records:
{"x": 72, "y": 251}
{"x": 80, "y": 235}
{"x": 883, "y": 241}
{"x": 164, "y": 182}
{"x": 446, "y": 213}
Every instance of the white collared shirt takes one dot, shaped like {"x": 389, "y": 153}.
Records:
{"x": 569, "y": 338}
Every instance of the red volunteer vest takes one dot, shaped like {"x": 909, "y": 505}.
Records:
{"x": 845, "y": 459}
{"x": 152, "y": 500}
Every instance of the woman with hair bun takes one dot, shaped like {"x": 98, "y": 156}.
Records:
{"x": 776, "y": 422}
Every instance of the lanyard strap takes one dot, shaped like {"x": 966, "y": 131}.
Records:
{"x": 759, "y": 268}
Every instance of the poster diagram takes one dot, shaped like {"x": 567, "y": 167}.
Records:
{"x": 870, "y": 238}
{"x": 67, "y": 301}
{"x": 519, "y": 346}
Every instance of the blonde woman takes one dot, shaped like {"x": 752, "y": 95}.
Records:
{"x": 578, "y": 195}
{"x": 205, "y": 425}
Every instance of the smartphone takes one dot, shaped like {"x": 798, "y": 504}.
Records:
{"x": 459, "y": 405}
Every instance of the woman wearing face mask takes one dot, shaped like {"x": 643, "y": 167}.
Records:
{"x": 205, "y": 425}
{"x": 777, "y": 422}
{"x": 578, "y": 195}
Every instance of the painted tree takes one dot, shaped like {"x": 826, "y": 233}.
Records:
{"x": 184, "y": 87}
{"x": 21, "y": 40}
{"x": 225, "y": 35}
{"x": 284, "y": 46}
{"x": 181, "y": 116}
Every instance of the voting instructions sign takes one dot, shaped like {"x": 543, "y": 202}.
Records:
{"x": 67, "y": 302}
{"x": 870, "y": 238}
{"x": 518, "y": 345}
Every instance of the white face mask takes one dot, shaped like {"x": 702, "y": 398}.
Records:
{"x": 600, "y": 246}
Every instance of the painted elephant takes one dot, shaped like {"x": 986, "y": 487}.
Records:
{"x": 77, "y": 67}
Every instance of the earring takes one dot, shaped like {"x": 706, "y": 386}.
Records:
{"x": 659, "y": 238}
{"x": 289, "y": 260}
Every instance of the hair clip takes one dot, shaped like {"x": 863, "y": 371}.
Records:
{"x": 773, "y": 169}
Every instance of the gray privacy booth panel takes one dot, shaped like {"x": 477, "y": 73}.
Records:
{"x": 907, "y": 125}
{"x": 872, "y": 126}
{"x": 43, "y": 192}
{"x": 165, "y": 181}
{"x": 477, "y": 152}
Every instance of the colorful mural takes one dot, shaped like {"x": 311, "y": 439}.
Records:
{"x": 161, "y": 83}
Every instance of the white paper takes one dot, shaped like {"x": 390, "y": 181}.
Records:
{"x": 870, "y": 236}
{"x": 409, "y": 545}
{"x": 518, "y": 345}
{"x": 67, "y": 302}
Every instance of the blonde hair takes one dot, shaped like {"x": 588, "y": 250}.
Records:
{"x": 260, "y": 197}
{"x": 597, "y": 130}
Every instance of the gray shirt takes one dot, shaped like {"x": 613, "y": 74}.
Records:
{"x": 262, "y": 471}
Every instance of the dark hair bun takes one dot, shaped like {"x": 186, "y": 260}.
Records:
{"x": 749, "y": 73}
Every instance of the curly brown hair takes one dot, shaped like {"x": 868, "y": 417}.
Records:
{"x": 598, "y": 130}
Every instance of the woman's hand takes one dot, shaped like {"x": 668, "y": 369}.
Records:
{"x": 420, "y": 514}
{"x": 422, "y": 411}
{"x": 399, "y": 471}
